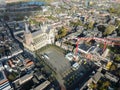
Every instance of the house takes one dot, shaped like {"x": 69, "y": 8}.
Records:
{"x": 19, "y": 62}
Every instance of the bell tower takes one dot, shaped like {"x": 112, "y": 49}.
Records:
{"x": 28, "y": 35}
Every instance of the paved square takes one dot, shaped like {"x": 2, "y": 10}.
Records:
{"x": 57, "y": 59}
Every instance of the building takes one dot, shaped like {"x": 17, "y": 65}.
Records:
{"x": 8, "y": 47}
{"x": 36, "y": 39}
{"x": 22, "y": 80}
{"x": 42, "y": 86}
{"x": 111, "y": 77}
{"x": 19, "y": 64}
{"x": 99, "y": 76}
{"x": 4, "y": 83}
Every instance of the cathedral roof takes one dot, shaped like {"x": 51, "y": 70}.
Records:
{"x": 38, "y": 32}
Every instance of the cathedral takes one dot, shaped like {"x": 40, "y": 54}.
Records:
{"x": 39, "y": 38}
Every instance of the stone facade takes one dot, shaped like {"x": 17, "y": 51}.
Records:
{"x": 38, "y": 39}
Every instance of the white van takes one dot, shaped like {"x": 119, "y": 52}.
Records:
{"x": 75, "y": 66}
{"x": 46, "y": 56}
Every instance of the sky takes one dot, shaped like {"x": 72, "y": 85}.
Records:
{"x": 2, "y": 2}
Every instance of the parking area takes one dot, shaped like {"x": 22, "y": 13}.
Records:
{"x": 56, "y": 59}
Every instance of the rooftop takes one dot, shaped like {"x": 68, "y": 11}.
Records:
{"x": 97, "y": 76}
{"x": 42, "y": 86}
{"x": 25, "y": 78}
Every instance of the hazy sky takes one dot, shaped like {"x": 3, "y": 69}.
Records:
{"x": 2, "y": 1}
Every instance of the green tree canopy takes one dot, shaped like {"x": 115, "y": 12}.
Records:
{"x": 79, "y": 22}
{"x": 112, "y": 10}
{"x": 51, "y": 17}
{"x": 101, "y": 28}
{"x": 61, "y": 33}
{"x": 90, "y": 25}
{"x": 33, "y": 21}
{"x": 115, "y": 10}
{"x": 109, "y": 29}
{"x": 117, "y": 57}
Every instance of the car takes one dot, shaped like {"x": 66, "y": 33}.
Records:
{"x": 42, "y": 56}
{"x": 46, "y": 56}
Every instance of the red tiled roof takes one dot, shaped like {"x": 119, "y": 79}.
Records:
{"x": 28, "y": 62}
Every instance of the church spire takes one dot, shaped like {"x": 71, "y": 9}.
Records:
{"x": 26, "y": 28}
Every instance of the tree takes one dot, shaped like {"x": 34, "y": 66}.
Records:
{"x": 51, "y": 17}
{"x": 90, "y": 25}
{"x": 104, "y": 85}
{"x": 115, "y": 49}
{"x": 61, "y": 33}
{"x": 113, "y": 67}
{"x": 118, "y": 72}
{"x": 117, "y": 22}
{"x": 86, "y": 25}
{"x": 117, "y": 57}
{"x": 109, "y": 29}
{"x": 11, "y": 77}
{"x": 101, "y": 28}
{"x": 93, "y": 86}
{"x": 74, "y": 24}
{"x": 112, "y": 10}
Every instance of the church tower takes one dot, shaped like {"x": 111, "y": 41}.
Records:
{"x": 87, "y": 3}
{"x": 28, "y": 35}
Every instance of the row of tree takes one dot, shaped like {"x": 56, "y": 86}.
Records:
{"x": 90, "y": 26}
